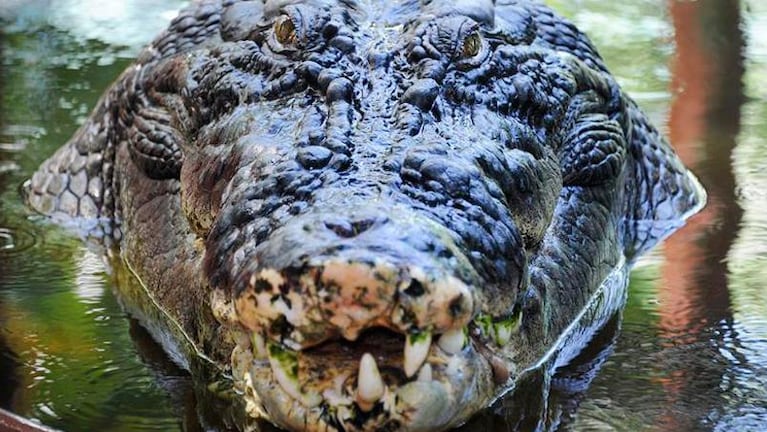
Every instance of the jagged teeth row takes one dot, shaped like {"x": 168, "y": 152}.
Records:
{"x": 370, "y": 385}
{"x": 500, "y": 331}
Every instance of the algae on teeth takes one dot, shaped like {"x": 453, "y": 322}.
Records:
{"x": 501, "y": 330}
{"x": 284, "y": 363}
{"x": 416, "y": 349}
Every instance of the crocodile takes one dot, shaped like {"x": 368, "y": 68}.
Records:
{"x": 371, "y": 215}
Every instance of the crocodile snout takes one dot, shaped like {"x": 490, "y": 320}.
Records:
{"x": 355, "y": 274}
{"x": 360, "y": 313}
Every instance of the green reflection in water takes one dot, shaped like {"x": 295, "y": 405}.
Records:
{"x": 79, "y": 369}
{"x": 634, "y": 38}
{"x": 76, "y": 365}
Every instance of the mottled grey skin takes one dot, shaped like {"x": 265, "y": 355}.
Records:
{"x": 298, "y": 183}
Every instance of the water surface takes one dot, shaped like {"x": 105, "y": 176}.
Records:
{"x": 689, "y": 354}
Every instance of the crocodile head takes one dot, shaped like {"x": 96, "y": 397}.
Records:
{"x": 401, "y": 205}
{"x": 370, "y": 183}
{"x": 376, "y": 185}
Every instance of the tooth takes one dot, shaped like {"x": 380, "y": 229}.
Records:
{"x": 485, "y": 323}
{"x": 504, "y": 329}
{"x": 284, "y": 364}
{"x": 416, "y": 350}
{"x": 425, "y": 374}
{"x": 502, "y": 333}
{"x": 370, "y": 385}
{"x": 452, "y": 341}
{"x": 258, "y": 345}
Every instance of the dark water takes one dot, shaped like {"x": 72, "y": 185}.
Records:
{"x": 689, "y": 354}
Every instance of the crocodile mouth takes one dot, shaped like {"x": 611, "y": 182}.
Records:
{"x": 383, "y": 380}
{"x": 360, "y": 340}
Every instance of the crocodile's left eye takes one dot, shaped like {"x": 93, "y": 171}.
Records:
{"x": 473, "y": 49}
{"x": 472, "y": 45}
{"x": 285, "y": 31}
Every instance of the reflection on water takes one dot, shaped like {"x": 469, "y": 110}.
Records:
{"x": 67, "y": 356}
{"x": 690, "y": 352}
{"x": 684, "y": 363}
{"x": 75, "y": 364}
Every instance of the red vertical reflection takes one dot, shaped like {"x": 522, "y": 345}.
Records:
{"x": 692, "y": 70}
{"x": 703, "y": 124}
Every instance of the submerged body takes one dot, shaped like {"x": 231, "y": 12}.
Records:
{"x": 375, "y": 215}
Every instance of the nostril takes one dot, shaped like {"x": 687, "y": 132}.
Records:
{"x": 415, "y": 289}
{"x": 348, "y": 229}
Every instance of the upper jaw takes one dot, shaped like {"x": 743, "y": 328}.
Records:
{"x": 340, "y": 298}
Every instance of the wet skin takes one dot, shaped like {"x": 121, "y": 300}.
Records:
{"x": 375, "y": 215}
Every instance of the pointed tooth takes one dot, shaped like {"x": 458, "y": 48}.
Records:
{"x": 502, "y": 333}
{"x": 485, "y": 323}
{"x": 416, "y": 349}
{"x": 452, "y": 341}
{"x": 425, "y": 374}
{"x": 504, "y": 329}
{"x": 258, "y": 345}
{"x": 370, "y": 385}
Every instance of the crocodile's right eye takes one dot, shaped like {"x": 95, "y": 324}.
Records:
{"x": 285, "y": 31}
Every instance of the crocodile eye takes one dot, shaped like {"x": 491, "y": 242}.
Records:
{"x": 472, "y": 45}
{"x": 285, "y": 31}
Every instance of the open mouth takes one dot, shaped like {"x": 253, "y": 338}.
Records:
{"x": 364, "y": 345}
{"x": 383, "y": 379}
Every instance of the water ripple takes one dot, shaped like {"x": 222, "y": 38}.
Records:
{"x": 15, "y": 240}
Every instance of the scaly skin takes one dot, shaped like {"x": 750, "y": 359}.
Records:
{"x": 376, "y": 214}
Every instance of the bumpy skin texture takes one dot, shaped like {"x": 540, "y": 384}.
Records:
{"x": 289, "y": 178}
